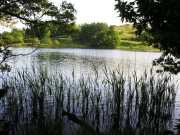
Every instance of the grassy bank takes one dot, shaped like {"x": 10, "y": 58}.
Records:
{"x": 124, "y": 45}
{"x": 68, "y": 43}
{"x": 136, "y": 46}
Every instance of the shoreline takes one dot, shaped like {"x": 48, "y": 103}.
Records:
{"x": 121, "y": 49}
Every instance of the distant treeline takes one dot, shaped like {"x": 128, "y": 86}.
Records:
{"x": 94, "y": 35}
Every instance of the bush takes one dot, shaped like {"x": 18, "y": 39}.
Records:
{"x": 13, "y": 37}
{"x": 56, "y": 43}
{"x": 46, "y": 39}
{"x": 18, "y": 36}
{"x": 7, "y": 38}
{"x": 146, "y": 37}
{"x": 98, "y": 35}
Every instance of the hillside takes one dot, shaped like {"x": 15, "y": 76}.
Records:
{"x": 129, "y": 40}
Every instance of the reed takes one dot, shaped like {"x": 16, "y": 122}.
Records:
{"x": 41, "y": 103}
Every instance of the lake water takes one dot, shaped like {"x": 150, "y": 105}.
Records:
{"x": 83, "y": 61}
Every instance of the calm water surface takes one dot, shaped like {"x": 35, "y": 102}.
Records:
{"x": 83, "y": 61}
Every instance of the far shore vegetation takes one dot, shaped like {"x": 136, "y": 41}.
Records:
{"x": 86, "y": 36}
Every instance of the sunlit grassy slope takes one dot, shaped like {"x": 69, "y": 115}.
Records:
{"x": 129, "y": 40}
{"x": 135, "y": 46}
{"x": 126, "y": 32}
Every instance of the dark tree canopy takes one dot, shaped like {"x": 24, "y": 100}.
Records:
{"x": 32, "y": 11}
{"x": 160, "y": 18}
{"x": 27, "y": 10}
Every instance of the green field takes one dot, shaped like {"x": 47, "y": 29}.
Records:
{"x": 136, "y": 46}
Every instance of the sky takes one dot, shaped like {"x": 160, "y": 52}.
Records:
{"x": 88, "y": 11}
{"x": 94, "y": 11}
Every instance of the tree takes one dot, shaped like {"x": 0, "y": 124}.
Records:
{"x": 61, "y": 23}
{"x": 26, "y": 10}
{"x": 38, "y": 14}
{"x": 16, "y": 36}
{"x": 107, "y": 38}
{"x": 32, "y": 13}
{"x": 159, "y": 18}
{"x": 98, "y": 35}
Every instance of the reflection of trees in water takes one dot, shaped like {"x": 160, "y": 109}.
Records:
{"x": 51, "y": 57}
{"x": 82, "y": 64}
{"x": 67, "y": 62}
{"x": 56, "y": 57}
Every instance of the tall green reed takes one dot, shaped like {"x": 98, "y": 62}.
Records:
{"x": 115, "y": 104}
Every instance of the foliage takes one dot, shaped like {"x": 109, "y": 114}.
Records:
{"x": 57, "y": 43}
{"x": 56, "y": 30}
{"x": 5, "y": 54}
{"x": 72, "y": 43}
{"x": 159, "y": 18}
{"x": 87, "y": 31}
{"x": 46, "y": 38}
{"x": 98, "y": 35}
{"x": 62, "y": 25}
{"x": 15, "y": 36}
{"x": 132, "y": 45}
{"x": 33, "y": 13}
{"x": 146, "y": 36}
{"x": 128, "y": 40}
{"x": 126, "y": 32}
{"x": 32, "y": 41}
{"x": 29, "y": 11}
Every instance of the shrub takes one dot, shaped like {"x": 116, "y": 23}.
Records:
{"x": 7, "y": 38}
{"x": 18, "y": 36}
{"x": 13, "y": 37}
{"x": 56, "y": 43}
{"x": 46, "y": 39}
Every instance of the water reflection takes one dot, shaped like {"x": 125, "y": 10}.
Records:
{"x": 84, "y": 60}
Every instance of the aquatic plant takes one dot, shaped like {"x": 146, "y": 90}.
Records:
{"x": 38, "y": 102}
